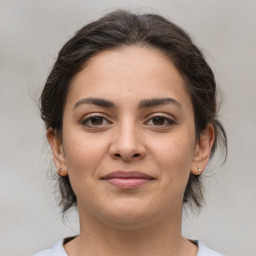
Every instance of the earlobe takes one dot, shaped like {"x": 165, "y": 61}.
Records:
{"x": 203, "y": 150}
{"x": 57, "y": 151}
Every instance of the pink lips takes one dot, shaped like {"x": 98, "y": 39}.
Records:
{"x": 131, "y": 179}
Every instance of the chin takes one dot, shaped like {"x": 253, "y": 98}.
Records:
{"x": 127, "y": 222}
{"x": 128, "y": 216}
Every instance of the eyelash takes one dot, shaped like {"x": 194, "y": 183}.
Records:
{"x": 88, "y": 121}
{"x": 167, "y": 121}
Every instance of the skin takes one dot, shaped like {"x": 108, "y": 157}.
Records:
{"x": 158, "y": 140}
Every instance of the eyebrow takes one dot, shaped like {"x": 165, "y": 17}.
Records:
{"x": 143, "y": 104}
{"x": 95, "y": 101}
{"x": 159, "y": 101}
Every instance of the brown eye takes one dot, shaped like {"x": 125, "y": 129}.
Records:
{"x": 97, "y": 120}
{"x": 158, "y": 120}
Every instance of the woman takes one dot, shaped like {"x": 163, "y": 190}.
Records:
{"x": 130, "y": 111}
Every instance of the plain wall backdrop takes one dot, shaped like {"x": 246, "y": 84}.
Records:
{"x": 32, "y": 33}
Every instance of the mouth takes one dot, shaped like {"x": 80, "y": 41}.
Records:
{"x": 132, "y": 179}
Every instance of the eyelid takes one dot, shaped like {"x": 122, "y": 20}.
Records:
{"x": 169, "y": 118}
{"x": 93, "y": 114}
{"x": 87, "y": 117}
{"x": 161, "y": 114}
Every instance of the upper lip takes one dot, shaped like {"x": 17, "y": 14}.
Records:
{"x": 127, "y": 175}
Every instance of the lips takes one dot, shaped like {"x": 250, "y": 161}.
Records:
{"x": 124, "y": 179}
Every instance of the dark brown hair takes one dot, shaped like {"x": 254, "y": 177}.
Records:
{"x": 121, "y": 29}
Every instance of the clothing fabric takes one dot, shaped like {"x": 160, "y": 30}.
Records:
{"x": 58, "y": 250}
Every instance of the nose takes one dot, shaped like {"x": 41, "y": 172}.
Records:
{"x": 127, "y": 144}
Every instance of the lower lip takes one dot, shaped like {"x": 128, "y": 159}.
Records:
{"x": 128, "y": 182}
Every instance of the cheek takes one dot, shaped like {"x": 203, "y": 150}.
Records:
{"x": 83, "y": 152}
{"x": 83, "y": 155}
{"x": 175, "y": 155}
{"x": 173, "y": 158}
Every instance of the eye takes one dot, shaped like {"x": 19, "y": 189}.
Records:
{"x": 94, "y": 121}
{"x": 160, "y": 121}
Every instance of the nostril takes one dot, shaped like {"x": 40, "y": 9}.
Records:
{"x": 117, "y": 155}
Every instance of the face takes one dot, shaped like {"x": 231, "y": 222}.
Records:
{"x": 129, "y": 140}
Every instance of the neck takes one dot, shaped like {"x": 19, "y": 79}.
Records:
{"x": 158, "y": 238}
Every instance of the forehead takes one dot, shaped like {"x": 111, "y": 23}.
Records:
{"x": 130, "y": 72}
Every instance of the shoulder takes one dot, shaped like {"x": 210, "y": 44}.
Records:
{"x": 205, "y": 251}
{"x": 56, "y": 250}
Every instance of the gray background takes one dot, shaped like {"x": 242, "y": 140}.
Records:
{"x": 32, "y": 33}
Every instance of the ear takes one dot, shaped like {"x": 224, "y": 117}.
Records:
{"x": 203, "y": 150}
{"x": 57, "y": 151}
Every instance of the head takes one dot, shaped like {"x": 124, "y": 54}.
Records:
{"x": 117, "y": 32}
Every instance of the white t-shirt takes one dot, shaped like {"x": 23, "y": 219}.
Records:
{"x": 58, "y": 250}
